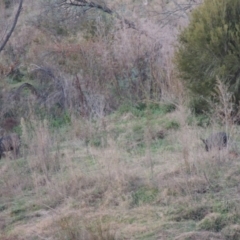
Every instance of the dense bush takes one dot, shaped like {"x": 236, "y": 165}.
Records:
{"x": 209, "y": 48}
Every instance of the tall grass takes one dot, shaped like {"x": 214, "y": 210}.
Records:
{"x": 127, "y": 163}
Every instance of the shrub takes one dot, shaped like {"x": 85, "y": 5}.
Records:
{"x": 209, "y": 47}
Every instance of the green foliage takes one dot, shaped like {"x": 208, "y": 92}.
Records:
{"x": 16, "y": 76}
{"x": 224, "y": 207}
{"x": 167, "y": 108}
{"x": 213, "y": 222}
{"x": 56, "y": 117}
{"x": 199, "y": 104}
{"x": 200, "y": 120}
{"x": 144, "y": 109}
{"x": 128, "y": 108}
{"x": 209, "y": 48}
{"x": 99, "y": 139}
{"x": 144, "y": 195}
{"x": 217, "y": 222}
{"x": 172, "y": 124}
{"x": 60, "y": 121}
{"x": 18, "y": 212}
{"x": 18, "y": 130}
{"x": 156, "y": 108}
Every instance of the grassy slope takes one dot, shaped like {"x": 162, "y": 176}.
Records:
{"x": 136, "y": 174}
{"x": 118, "y": 179}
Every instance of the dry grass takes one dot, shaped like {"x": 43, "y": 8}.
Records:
{"x": 137, "y": 173}
{"x": 123, "y": 64}
{"x": 162, "y": 187}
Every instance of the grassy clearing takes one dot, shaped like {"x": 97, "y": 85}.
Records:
{"x": 125, "y": 176}
{"x": 140, "y": 172}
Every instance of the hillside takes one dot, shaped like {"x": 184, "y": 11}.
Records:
{"x": 109, "y": 148}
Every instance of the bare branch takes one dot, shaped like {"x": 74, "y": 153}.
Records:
{"x": 93, "y": 5}
{"x": 13, "y": 26}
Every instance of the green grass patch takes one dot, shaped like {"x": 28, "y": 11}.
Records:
{"x": 213, "y": 222}
{"x": 18, "y": 211}
{"x": 200, "y": 120}
{"x": 172, "y": 125}
{"x": 143, "y": 195}
{"x": 99, "y": 139}
{"x": 144, "y": 110}
{"x": 194, "y": 213}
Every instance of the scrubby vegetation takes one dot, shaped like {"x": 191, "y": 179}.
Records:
{"x": 209, "y": 50}
{"x": 110, "y": 148}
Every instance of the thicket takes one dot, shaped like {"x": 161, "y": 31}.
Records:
{"x": 66, "y": 60}
{"x": 208, "y": 50}
{"x": 69, "y": 61}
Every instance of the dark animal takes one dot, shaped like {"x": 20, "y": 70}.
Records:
{"x": 10, "y": 143}
{"x": 217, "y": 140}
